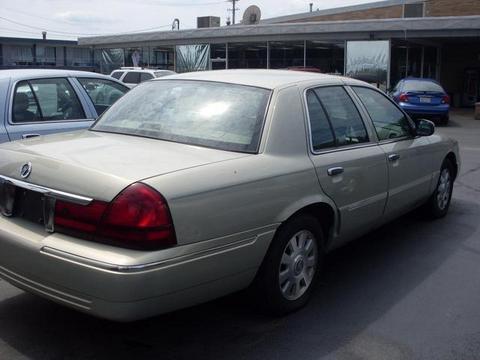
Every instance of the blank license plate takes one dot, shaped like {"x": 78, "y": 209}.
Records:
{"x": 425, "y": 100}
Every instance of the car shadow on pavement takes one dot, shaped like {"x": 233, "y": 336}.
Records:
{"x": 360, "y": 284}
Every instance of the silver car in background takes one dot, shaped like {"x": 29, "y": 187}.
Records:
{"x": 37, "y": 102}
{"x": 198, "y": 185}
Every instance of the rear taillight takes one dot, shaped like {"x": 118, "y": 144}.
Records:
{"x": 445, "y": 99}
{"x": 137, "y": 218}
{"x": 403, "y": 97}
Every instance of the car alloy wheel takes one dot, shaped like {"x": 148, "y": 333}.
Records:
{"x": 444, "y": 189}
{"x": 298, "y": 265}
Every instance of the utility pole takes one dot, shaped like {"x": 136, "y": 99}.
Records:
{"x": 233, "y": 10}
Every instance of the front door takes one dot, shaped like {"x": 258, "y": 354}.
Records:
{"x": 409, "y": 168}
{"x": 351, "y": 168}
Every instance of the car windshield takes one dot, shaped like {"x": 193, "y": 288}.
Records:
{"x": 212, "y": 114}
{"x": 422, "y": 85}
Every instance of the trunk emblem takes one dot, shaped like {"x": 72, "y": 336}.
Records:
{"x": 26, "y": 170}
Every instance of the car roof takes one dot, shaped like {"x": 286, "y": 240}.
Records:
{"x": 269, "y": 79}
{"x": 410, "y": 78}
{"x": 19, "y": 74}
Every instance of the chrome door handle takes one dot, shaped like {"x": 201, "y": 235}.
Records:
{"x": 393, "y": 157}
{"x": 28, "y": 136}
{"x": 335, "y": 171}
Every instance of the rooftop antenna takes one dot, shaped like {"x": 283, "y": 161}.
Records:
{"x": 233, "y": 9}
{"x": 252, "y": 15}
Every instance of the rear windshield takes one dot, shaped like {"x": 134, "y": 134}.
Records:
{"x": 419, "y": 85}
{"x": 218, "y": 115}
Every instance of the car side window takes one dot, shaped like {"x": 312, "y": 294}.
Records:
{"x": 117, "y": 74}
{"x": 321, "y": 131}
{"x": 388, "y": 120}
{"x": 25, "y": 106}
{"x": 103, "y": 93}
{"x": 343, "y": 115}
{"x": 132, "y": 77}
{"x": 145, "y": 77}
{"x": 47, "y": 100}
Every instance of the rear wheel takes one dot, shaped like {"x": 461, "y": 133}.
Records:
{"x": 290, "y": 269}
{"x": 439, "y": 202}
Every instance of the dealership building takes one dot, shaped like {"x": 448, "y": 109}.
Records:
{"x": 379, "y": 42}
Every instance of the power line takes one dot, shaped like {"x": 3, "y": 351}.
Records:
{"x": 83, "y": 34}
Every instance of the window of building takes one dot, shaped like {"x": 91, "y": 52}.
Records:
{"x": 389, "y": 121}
{"x": 286, "y": 54}
{"x": 343, "y": 115}
{"x": 413, "y": 10}
{"x": 247, "y": 55}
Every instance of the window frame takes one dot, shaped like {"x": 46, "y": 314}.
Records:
{"x": 369, "y": 143}
{"x": 13, "y": 90}
{"x": 411, "y": 123}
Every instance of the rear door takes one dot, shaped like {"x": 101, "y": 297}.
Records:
{"x": 44, "y": 106}
{"x": 350, "y": 165}
{"x": 408, "y": 156}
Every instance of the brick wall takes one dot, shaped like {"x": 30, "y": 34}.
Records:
{"x": 379, "y": 13}
{"x": 452, "y": 8}
{"x": 433, "y": 8}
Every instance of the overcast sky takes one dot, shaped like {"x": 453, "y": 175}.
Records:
{"x": 69, "y": 19}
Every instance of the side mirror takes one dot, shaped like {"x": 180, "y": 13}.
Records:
{"x": 425, "y": 127}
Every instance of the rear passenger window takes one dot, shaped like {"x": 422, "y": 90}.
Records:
{"x": 46, "y": 100}
{"x": 322, "y": 135}
{"x": 117, "y": 74}
{"x": 25, "y": 107}
{"x": 103, "y": 93}
{"x": 132, "y": 77}
{"x": 389, "y": 121}
{"x": 346, "y": 122}
{"x": 145, "y": 77}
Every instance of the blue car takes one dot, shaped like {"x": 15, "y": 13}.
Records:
{"x": 36, "y": 102}
{"x": 422, "y": 98}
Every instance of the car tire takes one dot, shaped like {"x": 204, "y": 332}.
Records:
{"x": 291, "y": 266}
{"x": 439, "y": 203}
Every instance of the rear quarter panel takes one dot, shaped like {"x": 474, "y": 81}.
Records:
{"x": 441, "y": 146}
{"x": 251, "y": 192}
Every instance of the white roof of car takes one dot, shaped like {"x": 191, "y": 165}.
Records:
{"x": 269, "y": 79}
{"x": 33, "y": 73}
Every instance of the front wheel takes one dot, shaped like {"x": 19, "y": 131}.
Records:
{"x": 439, "y": 202}
{"x": 290, "y": 269}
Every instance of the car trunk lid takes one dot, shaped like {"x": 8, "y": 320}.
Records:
{"x": 424, "y": 98}
{"x": 100, "y": 165}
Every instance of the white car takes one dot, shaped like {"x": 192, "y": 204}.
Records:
{"x": 132, "y": 76}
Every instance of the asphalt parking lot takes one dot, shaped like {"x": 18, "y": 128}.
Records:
{"x": 410, "y": 290}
